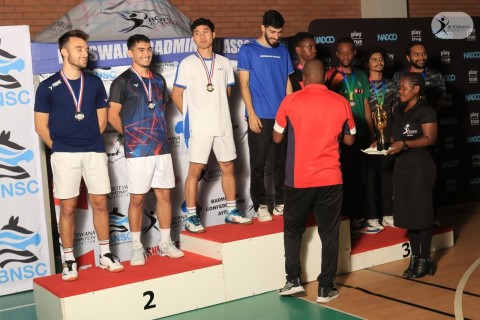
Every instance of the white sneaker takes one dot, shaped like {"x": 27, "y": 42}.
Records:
{"x": 110, "y": 262}
{"x": 69, "y": 272}
{"x": 170, "y": 250}
{"x": 137, "y": 257}
{"x": 263, "y": 214}
{"x": 388, "y": 221}
{"x": 193, "y": 224}
{"x": 278, "y": 209}
{"x": 237, "y": 217}
{"x": 374, "y": 223}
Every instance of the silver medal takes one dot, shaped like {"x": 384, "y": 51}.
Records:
{"x": 151, "y": 105}
{"x": 79, "y": 116}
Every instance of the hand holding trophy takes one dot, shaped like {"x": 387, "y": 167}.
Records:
{"x": 380, "y": 122}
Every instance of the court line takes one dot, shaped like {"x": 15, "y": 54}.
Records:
{"x": 399, "y": 301}
{"x": 427, "y": 283}
{"x": 457, "y": 302}
{"x": 17, "y": 307}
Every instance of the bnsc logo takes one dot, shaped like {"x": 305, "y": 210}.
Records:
{"x": 471, "y": 55}
{"x": 387, "y": 37}
{"x": 325, "y": 39}
{"x": 473, "y": 139}
{"x": 118, "y": 227}
{"x": 8, "y": 64}
{"x": 472, "y": 97}
{"x": 12, "y": 155}
{"x": 105, "y": 74}
{"x": 16, "y": 241}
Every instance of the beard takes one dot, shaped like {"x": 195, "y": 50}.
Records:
{"x": 417, "y": 66}
{"x": 273, "y": 45}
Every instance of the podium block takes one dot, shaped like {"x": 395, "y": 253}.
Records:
{"x": 253, "y": 255}
{"x": 162, "y": 287}
{"x": 390, "y": 245}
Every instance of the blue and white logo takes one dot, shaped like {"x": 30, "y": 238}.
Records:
{"x": 9, "y": 63}
{"x": 12, "y": 158}
{"x": 15, "y": 241}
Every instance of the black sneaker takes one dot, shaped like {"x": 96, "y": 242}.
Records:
{"x": 292, "y": 287}
{"x": 327, "y": 294}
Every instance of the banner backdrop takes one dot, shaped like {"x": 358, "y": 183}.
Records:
{"x": 24, "y": 250}
{"x": 457, "y": 59}
{"x": 211, "y": 201}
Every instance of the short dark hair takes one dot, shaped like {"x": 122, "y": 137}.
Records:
{"x": 299, "y": 37}
{"x": 202, "y": 22}
{"x": 344, "y": 40}
{"x": 76, "y": 33}
{"x": 273, "y": 18}
{"x": 411, "y": 44}
{"x": 374, "y": 50}
{"x": 136, "y": 38}
{"x": 416, "y": 79}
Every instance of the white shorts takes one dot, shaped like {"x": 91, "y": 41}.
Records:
{"x": 223, "y": 147}
{"x": 68, "y": 168}
{"x": 150, "y": 172}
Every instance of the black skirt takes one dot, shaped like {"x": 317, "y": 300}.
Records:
{"x": 413, "y": 182}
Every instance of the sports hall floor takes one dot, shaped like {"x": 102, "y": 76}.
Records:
{"x": 374, "y": 293}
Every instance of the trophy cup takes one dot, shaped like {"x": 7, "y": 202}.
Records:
{"x": 380, "y": 122}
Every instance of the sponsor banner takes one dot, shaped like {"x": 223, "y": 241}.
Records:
{"x": 24, "y": 252}
{"x": 105, "y": 54}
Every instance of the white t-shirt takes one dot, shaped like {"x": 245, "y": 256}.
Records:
{"x": 208, "y": 112}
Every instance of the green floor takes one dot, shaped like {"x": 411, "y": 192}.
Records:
{"x": 270, "y": 305}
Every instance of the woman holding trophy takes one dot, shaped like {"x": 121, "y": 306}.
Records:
{"x": 414, "y": 132}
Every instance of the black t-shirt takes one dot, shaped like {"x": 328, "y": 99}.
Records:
{"x": 408, "y": 126}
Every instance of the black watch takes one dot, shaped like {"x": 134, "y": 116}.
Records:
{"x": 405, "y": 146}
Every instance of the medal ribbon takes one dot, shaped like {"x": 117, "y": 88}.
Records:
{"x": 349, "y": 88}
{"x": 423, "y": 73}
{"x": 76, "y": 102}
{"x": 148, "y": 91}
{"x": 380, "y": 101}
{"x": 209, "y": 74}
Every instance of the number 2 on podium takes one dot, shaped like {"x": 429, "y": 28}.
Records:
{"x": 150, "y": 304}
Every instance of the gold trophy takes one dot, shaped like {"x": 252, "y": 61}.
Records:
{"x": 380, "y": 122}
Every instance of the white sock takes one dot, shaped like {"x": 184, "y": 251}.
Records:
{"x": 68, "y": 254}
{"x": 191, "y": 211}
{"x": 104, "y": 246}
{"x": 136, "y": 237}
{"x": 231, "y": 205}
{"x": 165, "y": 235}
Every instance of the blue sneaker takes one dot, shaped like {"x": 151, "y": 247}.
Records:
{"x": 238, "y": 217}
{"x": 193, "y": 224}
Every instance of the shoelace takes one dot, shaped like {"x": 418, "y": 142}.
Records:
{"x": 195, "y": 220}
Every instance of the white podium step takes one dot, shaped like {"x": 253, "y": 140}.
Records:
{"x": 162, "y": 287}
{"x": 253, "y": 256}
{"x": 229, "y": 262}
{"x": 390, "y": 245}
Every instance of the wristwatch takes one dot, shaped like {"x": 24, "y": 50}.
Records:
{"x": 405, "y": 146}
